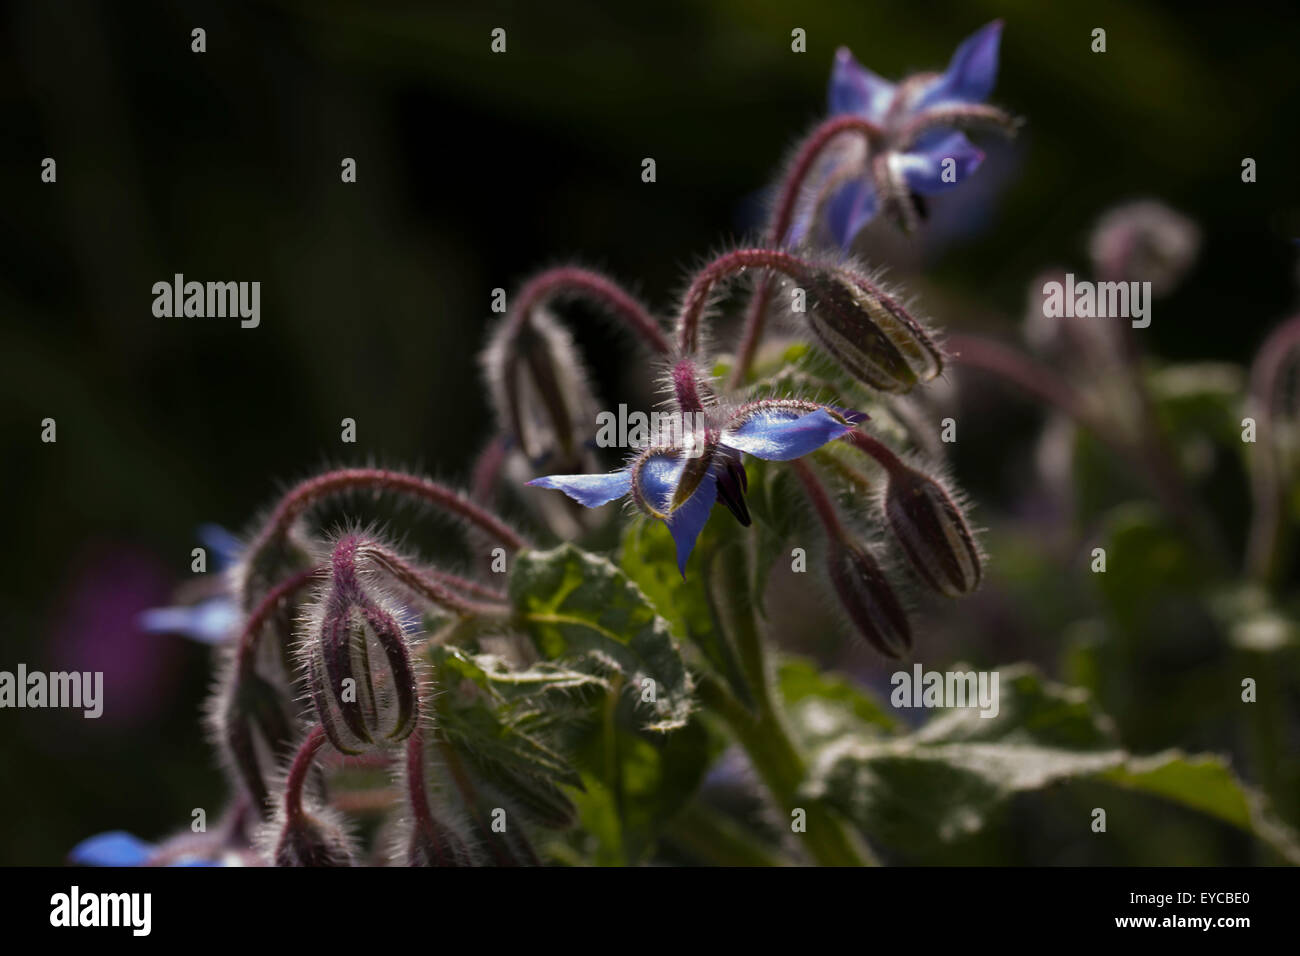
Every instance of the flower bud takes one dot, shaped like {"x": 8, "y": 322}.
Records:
{"x": 355, "y": 705}
{"x": 863, "y": 590}
{"x": 308, "y": 839}
{"x": 540, "y": 390}
{"x": 869, "y": 333}
{"x": 1144, "y": 241}
{"x": 933, "y": 532}
{"x": 251, "y": 724}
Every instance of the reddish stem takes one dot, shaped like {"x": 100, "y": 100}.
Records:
{"x": 791, "y": 189}
{"x": 570, "y": 280}
{"x": 425, "y": 584}
{"x": 257, "y": 618}
{"x": 877, "y": 449}
{"x": 820, "y": 499}
{"x": 302, "y": 762}
{"x": 312, "y": 490}
{"x": 697, "y": 296}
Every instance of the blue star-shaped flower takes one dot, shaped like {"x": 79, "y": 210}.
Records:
{"x": 920, "y": 120}
{"x": 680, "y": 488}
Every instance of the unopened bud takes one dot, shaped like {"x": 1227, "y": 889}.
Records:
{"x": 540, "y": 390}
{"x": 1144, "y": 241}
{"x": 251, "y": 724}
{"x": 870, "y": 333}
{"x": 308, "y": 839}
{"x": 354, "y": 704}
{"x": 933, "y": 533}
{"x": 301, "y": 837}
{"x": 866, "y": 595}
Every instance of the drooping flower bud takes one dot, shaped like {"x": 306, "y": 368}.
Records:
{"x": 869, "y": 333}
{"x": 313, "y": 840}
{"x": 250, "y": 723}
{"x": 539, "y": 389}
{"x": 1144, "y": 241}
{"x": 933, "y": 532}
{"x": 298, "y": 837}
{"x": 354, "y": 704}
{"x": 427, "y": 839}
{"x": 866, "y": 595}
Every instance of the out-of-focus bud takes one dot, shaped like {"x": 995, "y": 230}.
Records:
{"x": 312, "y": 839}
{"x": 1084, "y": 346}
{"x": 540, "y": 389}
{"x": 354, "y": 704}
{"x": 869, "y": 332}
{"x": 427, "y": 838}
{"x": 933, "y": 532}
{"x": 251, "y": 725}
{"x": 1144, "y": 241}
{"x": 866, "y": 595}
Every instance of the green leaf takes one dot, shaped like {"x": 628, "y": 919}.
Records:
{"x": 635, "y": 784}
{"x": 649, "y": 558}
{"x": 543, "y": 678}
{"x": 947, "y": 781}
{"x": 824, "y": 706}
{"x": 578, "y": 606}
{"x": 501, "y": 741}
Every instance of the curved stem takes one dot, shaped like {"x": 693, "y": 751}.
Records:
{"x": 820, "y": 499}
{"x": 882, "y": 453}
{"x": 313, "y": 490}
{"x": 791, "y": 188}
{"x": 427, "y": 584}
{"x": 1264, "y": 542}
{"x": 302, "y": 762}
{"x": 697, "y": 296}
{"x": 1022, "y": 371}
{"x": 585, "y": 284}
{"x": 250, "y": 634}
{"x": 1150, "y": 455}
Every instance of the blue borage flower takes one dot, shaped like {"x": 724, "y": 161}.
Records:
{"x": 679, "y": 485}
{"x": 119, "y": 848}
{"x": 209, "y": 621}
{"x": 920, "y": 119}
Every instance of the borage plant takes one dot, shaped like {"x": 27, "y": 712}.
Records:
{"x": 631, "y": 704}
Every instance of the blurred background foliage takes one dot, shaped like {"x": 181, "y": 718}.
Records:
{"x": 475, "y": 170}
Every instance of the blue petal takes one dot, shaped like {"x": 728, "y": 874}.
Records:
{"x": 971, "y": 73}
{"x": 590, "y": 490}
{"x": 855, "y": 89}
{"x": 115, "y": 848}
{"x": 781, "y": 434}
{"x": 849, "y": 210}
{"x": 224, "y": 547}
{"x": 923, "y": 169}
{"x": 209, "y": 622}
{"x": 658, "y": 479}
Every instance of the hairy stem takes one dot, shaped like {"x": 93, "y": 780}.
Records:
{"x": 697, "y": 296}
{"x": 302, "y": 762}
{"x": 596, "y": 288}
{"x": 345, "y": 480}
{"x": 250, "y": 635}
{"x": 792, "y": 187}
